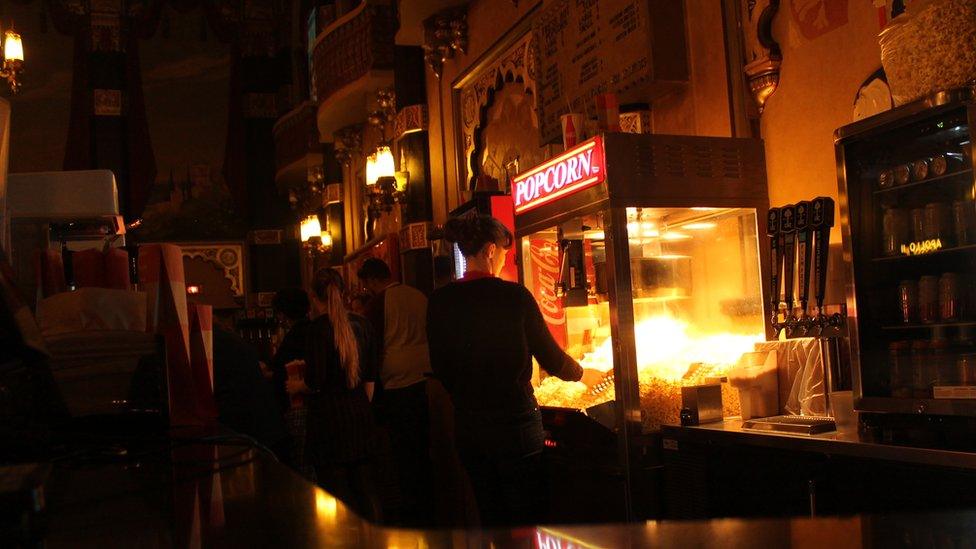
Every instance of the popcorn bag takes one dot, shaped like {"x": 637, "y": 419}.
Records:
{"x": 161, "y": 273}
{"x": 201, "y": 359}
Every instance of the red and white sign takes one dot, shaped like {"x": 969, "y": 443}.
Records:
{"x": 568, "y": 173}
{"x": 544, "y": 258}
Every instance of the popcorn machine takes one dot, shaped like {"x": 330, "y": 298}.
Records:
{"x": 644, "y": 255}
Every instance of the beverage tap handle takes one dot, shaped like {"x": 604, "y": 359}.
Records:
{"x": 821, "y": 220}
{"x": 787, "y": 227}
{"x": 775, "y": 260}
{"x": 804, "y": 236}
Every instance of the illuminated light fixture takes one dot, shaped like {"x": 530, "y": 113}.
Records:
{"x": 702, "y": 226}
{"x": 311, "y": 228}
{"x": 380, "y": 164}
{"x": 193, "y": 289}
{"x": 13, "y": 59}
{"x": 326, "y": 239}
{"x": 704, "y": 209}
{"x": 596, "y": 235}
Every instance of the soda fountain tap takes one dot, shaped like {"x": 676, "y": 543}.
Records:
{"x": 804, "y": 236}
{"x": 787, "y": 228}
{"x": 776, "y": 265}
{"x": 821, "y": 221}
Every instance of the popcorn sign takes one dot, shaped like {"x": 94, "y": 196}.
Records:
{"x": 574, "y": 170}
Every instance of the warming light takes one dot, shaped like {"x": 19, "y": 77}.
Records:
{"x": 380, "y": 164}
{"x": 311, "y": 228}
{"x": 13, "y": 59}
{"x": 700, "y": 226}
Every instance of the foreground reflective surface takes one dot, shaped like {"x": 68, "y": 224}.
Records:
{"x": 205, "y": 495}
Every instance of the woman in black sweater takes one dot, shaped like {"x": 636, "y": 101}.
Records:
{"x": 483, "y": 333}
{"x": 341, "y": 371}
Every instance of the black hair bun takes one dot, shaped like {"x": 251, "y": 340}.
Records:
{"x": 457, "y": 229}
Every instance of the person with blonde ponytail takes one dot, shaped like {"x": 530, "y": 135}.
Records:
{"x": 341, "y": 359}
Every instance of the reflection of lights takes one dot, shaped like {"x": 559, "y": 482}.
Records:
{"x": 701, "y": 226}
{"x": 596, "y": 235}
{"x": 326, "y": 507}
{"x": 705, "y": 209}
{"x": 644, "y": 229}
{"x": 675, "y": 235}
{"x": 193, "y": 289}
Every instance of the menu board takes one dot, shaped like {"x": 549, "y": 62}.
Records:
{"x": 588, "y": 47}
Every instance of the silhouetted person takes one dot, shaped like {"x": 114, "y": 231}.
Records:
{"x": 483, "y": 333}
{"x": 398, "y": 314}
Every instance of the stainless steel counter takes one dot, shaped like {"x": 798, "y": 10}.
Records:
{"x": 849, "y": 444}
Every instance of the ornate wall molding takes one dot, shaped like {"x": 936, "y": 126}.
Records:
{"x": 518, "y": 63}
{"x": 348, "y": 142}
{"x": 445, "y": 33}
{"x": 763, "y": 56}
{"x": 227, "y": 256}
{"x": 410, "y": 119}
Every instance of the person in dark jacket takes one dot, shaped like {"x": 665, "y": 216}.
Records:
{"x": 341, "y": 370}
{"x": 292, "y": 307}
{"x": 245, "y": 399}
{"x": 483, "y": 333}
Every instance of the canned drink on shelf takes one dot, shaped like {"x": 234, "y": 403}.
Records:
{"x": 894, "y": 231}
{"x": 962, "y": 222}
{"x": 922, "y": 370}
{"x": 966, "y": 369}
{"x": 919, "y": 169}
{"x": 928, "y": 299}
{"x": 936, "y": 221}
{"x": 886, "y": 179}
{"x": 949, "y": 302}
{"x": 917, "y": 220}
{"x": 908, "y": 300}
{"x": 903, "y": 174}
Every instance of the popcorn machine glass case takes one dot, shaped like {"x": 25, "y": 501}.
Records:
{"x": 907, "y": 212}
{"x": 647, "y": 272}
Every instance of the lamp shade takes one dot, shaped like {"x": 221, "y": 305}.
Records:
{"x": 311, "y": 228}
{"x": 13, "y": 47}
{"x": 380, "y": 164}
{"x": 326, "y": 239}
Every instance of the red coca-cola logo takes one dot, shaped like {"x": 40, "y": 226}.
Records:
{"x": 544, "y": 256}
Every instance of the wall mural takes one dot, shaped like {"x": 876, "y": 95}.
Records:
{"x": 509, "y": 141}
{"x": 514, "y": 66}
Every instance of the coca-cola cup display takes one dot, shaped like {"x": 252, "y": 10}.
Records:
{"x": 572, "y": 126}
{"x": 296, "y": 370}
{"x": 545, "y": 274}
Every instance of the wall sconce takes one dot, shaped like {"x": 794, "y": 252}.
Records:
{"x": 311, "y": 228}
{"x": 13, "y": 59}
{"x": 380, "y": 164}
{"x": 314, "y": 239}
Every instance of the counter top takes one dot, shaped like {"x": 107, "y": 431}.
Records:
{"x": 842, "y": 443}
{"x": 217, "y": 495}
